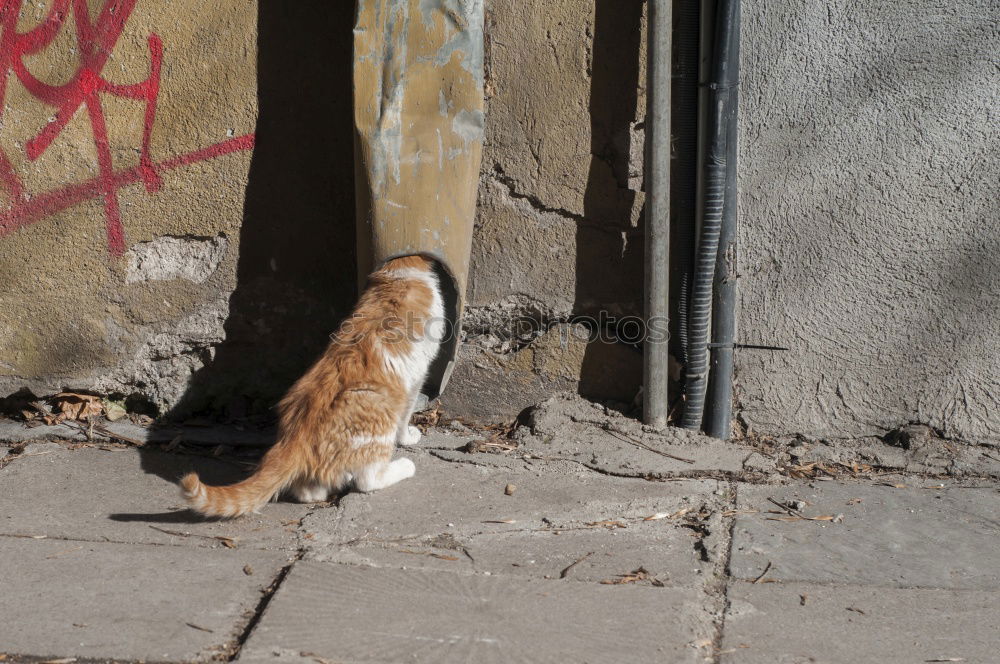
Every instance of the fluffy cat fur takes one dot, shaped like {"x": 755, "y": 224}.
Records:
{"x": 341, "y": 421}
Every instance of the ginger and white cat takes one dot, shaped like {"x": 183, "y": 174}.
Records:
{"x": 341, "y": 421}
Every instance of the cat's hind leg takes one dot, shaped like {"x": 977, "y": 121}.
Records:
{"x": 381, "y": 474}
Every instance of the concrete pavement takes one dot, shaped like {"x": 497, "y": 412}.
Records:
{"x": 576, "y": 546}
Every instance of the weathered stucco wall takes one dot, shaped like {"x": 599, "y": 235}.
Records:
{"x": 558, "y": 234}
{"x": 869, "y": 187}
{"x": 198, "y": 270}
{"x": 870, "y": 216}
{"x": 116, "y": 258}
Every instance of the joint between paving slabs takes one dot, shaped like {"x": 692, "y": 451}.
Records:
{"x": 721, "y": 589}
{"x": 746, "y": 477}
{"x": 233, "y": 651}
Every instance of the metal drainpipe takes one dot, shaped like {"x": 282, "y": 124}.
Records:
{"x": 719, "y": 416}
{"x": 656, "y": 356}
{"x": 720, "y": 114}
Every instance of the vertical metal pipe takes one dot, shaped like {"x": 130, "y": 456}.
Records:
{"x": 719, "y": 413}
{"x": 720, "y": 110}
{"x": 656, "y": 356}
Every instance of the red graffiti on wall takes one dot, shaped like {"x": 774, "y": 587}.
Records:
{"x": 95, "y": 41}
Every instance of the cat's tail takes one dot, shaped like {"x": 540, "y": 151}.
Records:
{"x": 277, "y": 470}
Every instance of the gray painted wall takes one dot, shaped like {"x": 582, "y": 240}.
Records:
{"x": 870, "y": 216}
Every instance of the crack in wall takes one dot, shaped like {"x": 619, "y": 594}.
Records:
{"x": 510, "y": 185}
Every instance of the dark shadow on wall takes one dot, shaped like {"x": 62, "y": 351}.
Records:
{"x": 609, "y": 250}
{"x": 296, "y": 269}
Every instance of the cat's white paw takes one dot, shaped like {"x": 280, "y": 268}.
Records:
{"x": 311, "y": 493}
{"x": 411, "y": 437}
{"x": 403, "y": 468}
{"x": 381, "y": 474}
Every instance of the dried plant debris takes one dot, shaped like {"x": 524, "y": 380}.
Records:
{"x": 228, "y": 542}
{"x": 76, "y": 406}
{"x": 638, "y": 443}
{"x": 742, "y": 433}
{"x": 432, "y": 554}
{"x": 668, "y": 515}
{"x": 316, "y": 658}
{"x": 566, "y": 570}
{"x": 827, "y": 469}
{"x": 729, "y": 513}
{"x": 494, "y": 443}
{"x": 635, "y": 576}
{"x": 67, "y": 407}
{"x": 764, "y": 573}
{"x": 794, "y": 513}
{"x": 426, "y": 419}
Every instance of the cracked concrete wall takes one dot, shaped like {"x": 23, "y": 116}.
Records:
{"x": 870, "y": 222}
{"x": 557, "y": 233}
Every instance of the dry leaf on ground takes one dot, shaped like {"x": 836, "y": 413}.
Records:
{"x": 427, "y": 418}
{"x": 76, "y": 406}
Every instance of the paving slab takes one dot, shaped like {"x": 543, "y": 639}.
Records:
{"x": 599, "y": 554}
{"x": 914, "y": 536}
{"x": 127, "y": 495}
{"x": 124, "y": 601}
{"x": 347, "y": 613}
{"x": 458, "y": 517}
{"x": 472, "y": 499}
{"x": 799, "y": 623}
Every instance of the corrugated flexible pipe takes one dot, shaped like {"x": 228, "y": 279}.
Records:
{"x": 721, "y": 112}
{"x": 684, "y": 192}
